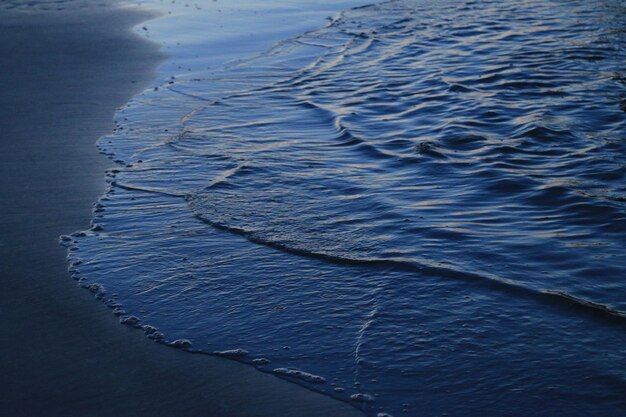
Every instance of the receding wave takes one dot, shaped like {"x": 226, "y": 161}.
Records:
{"x": 418, "y": 206}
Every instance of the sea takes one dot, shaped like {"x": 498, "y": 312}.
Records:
{"x": 414, "y": 206}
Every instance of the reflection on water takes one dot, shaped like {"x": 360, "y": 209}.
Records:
{"x": 421, "y": 203}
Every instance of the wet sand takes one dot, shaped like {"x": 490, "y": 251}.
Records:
{"x": 62, "y": 353}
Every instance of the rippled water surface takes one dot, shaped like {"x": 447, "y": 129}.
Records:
{"x": 421, "y": 204}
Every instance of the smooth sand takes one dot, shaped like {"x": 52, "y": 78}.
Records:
{"x": 62, "y": 353}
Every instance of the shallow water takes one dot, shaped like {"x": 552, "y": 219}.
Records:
{"x": 420, "y": 202}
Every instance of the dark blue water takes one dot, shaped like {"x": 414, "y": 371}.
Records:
{"x": 421, "y": 205}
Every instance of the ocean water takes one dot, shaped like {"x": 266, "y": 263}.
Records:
{"x": 417, "y": 207}
{"x": 50, "y": 6}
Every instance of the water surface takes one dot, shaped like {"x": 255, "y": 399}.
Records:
{"x": 419, "y": 206}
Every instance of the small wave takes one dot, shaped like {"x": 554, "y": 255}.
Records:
{"x": 410, "y": 186}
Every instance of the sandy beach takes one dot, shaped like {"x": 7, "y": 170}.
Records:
{"x": 317, "y": 208}
{"x": 62, "y": 353}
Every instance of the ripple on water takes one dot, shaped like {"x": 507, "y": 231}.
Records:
{"x": 423, "y": 201}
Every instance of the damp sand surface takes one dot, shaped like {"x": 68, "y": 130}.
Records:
{"x": 65, "y": 70}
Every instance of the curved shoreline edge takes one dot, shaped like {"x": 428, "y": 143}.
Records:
{"x": 63, "y": 354}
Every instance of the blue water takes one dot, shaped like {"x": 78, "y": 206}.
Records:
{"x": 420, "y": 206}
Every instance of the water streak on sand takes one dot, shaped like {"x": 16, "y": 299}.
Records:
{"x": 418, "y": 206}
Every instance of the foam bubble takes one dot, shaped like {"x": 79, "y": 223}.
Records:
{"x": 181, "y": 344}
{"x": 130, "y": 321}
{"x": 305, "y": 376}
{"x": 234, "y": 353}
{"x": 362, "y": 398}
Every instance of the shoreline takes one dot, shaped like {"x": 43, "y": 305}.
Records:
{"x": 63, "y": 352}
